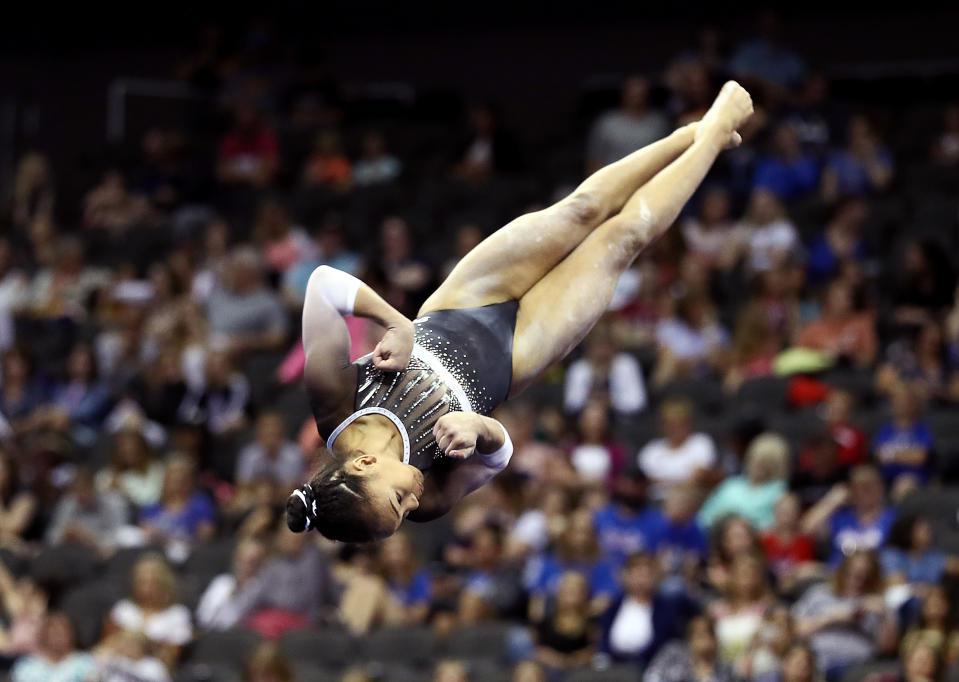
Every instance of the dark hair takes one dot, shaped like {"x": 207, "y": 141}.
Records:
{"x": 900, "y": 533}
{"x": 334, "y": 503}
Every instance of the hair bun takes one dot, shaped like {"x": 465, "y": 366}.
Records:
{"x": 301, "y": 509}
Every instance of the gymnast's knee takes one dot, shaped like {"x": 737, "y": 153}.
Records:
{"x": 582, "y": 208}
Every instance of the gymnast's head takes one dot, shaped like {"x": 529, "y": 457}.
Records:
{"x": 363, "y": 499}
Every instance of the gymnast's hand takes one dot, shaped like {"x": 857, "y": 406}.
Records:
{"x": 392, "y": 353}
{"x": 463, "y": 434}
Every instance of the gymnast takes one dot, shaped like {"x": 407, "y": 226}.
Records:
{"x": 406, "y": 424}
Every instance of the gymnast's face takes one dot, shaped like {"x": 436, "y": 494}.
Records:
{"x": 394, "y": 488}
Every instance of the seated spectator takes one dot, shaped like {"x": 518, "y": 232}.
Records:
{"x": 694, "y": 658}
{"x": 126, "y": 659}
{"x": 754, "y": 494}
{"x": 111, "y": 207}
{"x": 295, "y": 587}
{"x": 766, "y": 59}
{"x": 690, "y": 343}
{"x": 681, "y": 455}
{"x": 945, "y": 149}
{"x": 151, "y": 609}
{"x": 864, "y": 166}
{"x": 903, "y": 446}
{"x": 841, "y": 332}
{"x": 643, "y": 619}
{"x": 624, "y": 130}
{"x": 25, "y": 607}
{"x": 283, "y": 243}
{"x": 540, "y": 524}
{"x": 487, "y": 149}
{"x": 925, "y": 363}
{"x": 841, "y": 241}
{"x": 820, "y": 468}
{"x": 935, "y": 625}
{"x": 80, "y": 402}
{"x": 62, "y": 287}
{"x": 765, "y": 238}
{"x": 329, "y": 248}
{"x": 595, "y": 455}
{"x": 707, "y": 235}
{"x": 923, "y": 283}
{"x": 846, "y": 621}
{"x": 267, "y": 664}
{"x": 271, "y": 455}
{"x": 18, "y": 505}
{"x": 219, "y": 607}
{"x": 681, "y": 543}
{"x": 33, "y": 194}
{"x": 244, "y": 312}
{"x": 731, "y": 537}
{"x": 799, "y": 665}
{"x": 406, "y": 278}
{"x": 564, "y": 636}
{"x": 528, "y": 671}
{"x": 410, "y": 585}
{"x": 221, "y": 402}
{"x": 770, "y": 647}
{"x": 451, "y": 671}
{"x": 327, "y": 165}
{"x": 376, "y": 165}
{"x": 248, "y": 153}
{"x": 921, "y": 663}
{"x": 910, "y": 555}
{"x": 57, "y": 658}
{"x": 134, "y": 470}
{"x": 21, "y": 392}
{"x": 850, "y": 440}
{"x": 184, "y": 515}
{"x": 754, "y": 348}
{"x": 787, "y": 171}
{"x": 87, "y": 517}
{"x": 789, "y": 551}
{"x": 576, "y": 550}
{"x": 14, "y": 293}
{"x": 490, "y": 588}
{"x": 742, "y": 608}
{"x": 606, "y": 374}
{"x": 855, "y": 518}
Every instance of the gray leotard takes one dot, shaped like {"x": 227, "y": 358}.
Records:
{"x": 462, "y": 361}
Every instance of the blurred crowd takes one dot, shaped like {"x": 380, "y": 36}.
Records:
{"x": 742, "y": 474}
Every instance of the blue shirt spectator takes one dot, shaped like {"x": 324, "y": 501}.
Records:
{"x": 863, "y": 167}
{"x": 183, "y": 514}
{"x": 766, "y": 58}
{"x": 903, "y": 445}
{"x": 851, "y": 532}
{"x": 622, "y": 530}
{"x": 787, "y": 172}
{"x": 910, "y": 555}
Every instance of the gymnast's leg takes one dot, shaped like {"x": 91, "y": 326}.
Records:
{"x": 510, "y": 261}
{"x": 558, "y": 311}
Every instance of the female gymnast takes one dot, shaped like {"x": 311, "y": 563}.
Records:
{"x": 405, "y": 425}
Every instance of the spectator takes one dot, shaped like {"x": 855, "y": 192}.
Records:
{"x": 564, "y": 637}
{"x": 754, "y": 348}
{"x": 694, "y": 658}
{"x": 25, "y": 605}
{"x": 528, "y": 671}
{"x": 245, "y": 313}
{"x": 21, "y": 393}
{"x": 740, "y": 612}
{"x": 731, "y": 537}
{"x": 850, "y": 440}
{"x": 766, "y": 59}
{"x": 488, "y": 149}
{"x": 925, "y": 363}
{"x": 606, "y": 374}
{"x": 152, "y": 610}
{"x": 769, "y": 648}
{"x": 863, "y": 167}
{"x": 111, "y": 207}
{"x": 789, "y": 551}
{"x": 841, "y": 241}
{"x": 266, "y": 664}
{"x": 376, "y": 165}
{"x": 407, "y": 279}
{"x": 922, "y": 663}
{"x": 134, "y": 469}
{"x": 248, "y": 152}
{"x": 490, "y": 588}
{"x": 681, "y": 455}
{"x": 87, "y": 517}
{"x": 936, "y": 625}
{"x": 283, "y": 243}
{"x": 219, "y": 607}
{"x": 846, "y": 621}
{"x": 923, "y": 285}
{"x": 903, "y": 446}
{"x": 856, "y": 517}
{"x": 451, "y": 671}
{"x": 33, "y": 196}
{"x": 57, "y": 658}
{"x": 622, "y": 131}
{"x": 127, "y": 659}
{"x": 80, "y": 402}
{"x": 327, "y": 165}
{"x": 765, "y": 238}
{"x": 540, "y": 524}
{"x": 221, "y": 402}
{"x": 788, "y": 172}
{"x": 13, "y": 294}
{"x": 799, "y": 665}
{"x": 910, "y": 556}
{"x": 707, "y": 236}
{"x": 468, "y": 237}
{"x": 626, "y": 525}
{"x": 753, "y": 495}
{"x": 690, "y": 343}
{"x": 184, "y": 515}
{"x": 271, "y": 455}
{"x": 820, "y": 469}
{"x": 841, "y": 332}
{"x": 409, "y": 584}
{"x": 642, "y": 620}
{"x": 330, "y": 248}
{"x": 681, "y": 543}
{"x": 18, "y": 505}
{"x": 595, "y": 455}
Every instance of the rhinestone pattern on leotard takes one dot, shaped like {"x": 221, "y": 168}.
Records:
{"x": 421, "y": 394}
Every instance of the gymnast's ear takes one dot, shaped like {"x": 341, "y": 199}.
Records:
{"x": 361, "y": 464}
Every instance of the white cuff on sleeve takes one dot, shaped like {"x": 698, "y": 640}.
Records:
{"x": 337, "y": 287}
{"x": 499, "y": 459}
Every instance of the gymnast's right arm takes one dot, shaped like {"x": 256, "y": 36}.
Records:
{"x": 330, "y": 295}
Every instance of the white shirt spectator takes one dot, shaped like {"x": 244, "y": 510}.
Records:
{"x": 616, "y": 134}
{"x": 170, "y": 626}
{"x": 767, "y": 243}
{"x": 218, "y": 608}
{"x": 687, "y": 343}
{"x": 288, "y": 466}
{"x": 632, "y": 628}
{"x": 667, "y": 466}
{"x": 627, "y": 391}
{"x": 122, "y": 669}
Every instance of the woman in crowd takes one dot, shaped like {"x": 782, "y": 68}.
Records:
{"x": 595, "y": 455}
{"x": 732, "y": 536}
{"x": 220, "y": 607}
{"x": 267, "y": 664}
{"x": 564, "y": 636}
{"x": 18, "y": 506}
{"x": 911, "y": 557}
{"x": 134, "y": 469}
{"x": 695, "y": 659}
{"x": 936, "y": 625}
{"x": 57, "y": 657}
{"x": 409, "y": 585}
{"x": 740, "y": 612}
{"x": 184, "y": 515}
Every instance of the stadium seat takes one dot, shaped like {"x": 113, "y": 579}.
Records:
{"x": 210, "y": 560}
{"x": 326, "y": 648}
{"x": 483, "y": 640}
{"x": 706, "y": 394}
{"x": 120, "y": 565}
{"x": 62, "y": 565}
{"x": 407, "y": 645}
{"x": 209, "y": 672}
{"x": 860, "y": 672}
{"x": 87, "y": 608}
{"x": 308, "y": 672}
{"x": 619, "y": 673}
{"x": 769, "y": 393}
{"x": 226, "y": 647}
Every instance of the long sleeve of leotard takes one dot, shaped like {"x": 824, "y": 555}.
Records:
{"x": 499, "y": 459}
{"x": 337, "y": 287}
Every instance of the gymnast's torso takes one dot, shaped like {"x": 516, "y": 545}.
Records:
{"x": 461, "y": 362}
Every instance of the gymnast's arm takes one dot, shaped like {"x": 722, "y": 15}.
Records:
{"x": 330, "y": 295}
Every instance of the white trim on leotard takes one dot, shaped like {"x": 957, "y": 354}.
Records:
{"x": 434, "y": 364}
{"x": 373, "y": 410}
